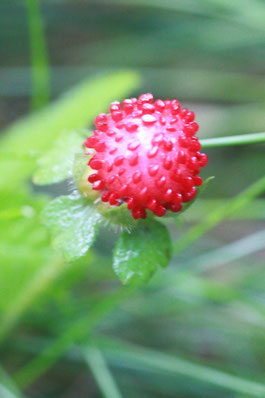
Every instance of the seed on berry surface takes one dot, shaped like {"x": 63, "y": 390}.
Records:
{"x": 152, "y": 152}
{"x": 98, "y": 185}
{"x": 152, "y": 170}
{"x": 137, "y": 177}
{"x": 148, "y": 119}
{"x": 96, "y": 164}
{"x": 133, "y": 145}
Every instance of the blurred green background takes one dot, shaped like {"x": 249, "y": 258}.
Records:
{"x": 198, "y": 329}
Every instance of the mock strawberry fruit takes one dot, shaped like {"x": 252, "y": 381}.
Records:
{"x": 147, "y": 155}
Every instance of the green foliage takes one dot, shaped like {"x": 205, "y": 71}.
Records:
{"x": 140, "y": 252}
{"x": 154, "y": 360}
{"x": 203, "y": 319}
{"x": 20, "y": 228}
{"x": 26, "y": 140}
{"x": 117, "y": 217}
{"x": 73, "y": 223}
{"x": 57, "y": 164}
{"x": 77, "y": 331}
{"x": 101, "y": 373}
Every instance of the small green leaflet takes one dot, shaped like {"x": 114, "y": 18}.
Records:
{"x": 56, "y": 165}
{"x": 73, "y": 223}
{"x": 139, "y": 253}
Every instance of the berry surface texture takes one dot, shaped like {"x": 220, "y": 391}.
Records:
{"x": 146, "y": 154}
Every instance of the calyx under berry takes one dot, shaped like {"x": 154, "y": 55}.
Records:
{"x": 146, "y": 155}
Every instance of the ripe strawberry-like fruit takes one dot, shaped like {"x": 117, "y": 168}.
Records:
{"x": 147, "y": 155}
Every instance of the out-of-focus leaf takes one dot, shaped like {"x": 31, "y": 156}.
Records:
{"x": 24, "y": 243}
{"x": 57, "y": 164}
{"x": 73, "y": 223}
{"x": 139, "y": 253}
{"x": 25, "y": 140}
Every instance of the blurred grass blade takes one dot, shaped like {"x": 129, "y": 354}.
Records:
{"x": 204, "y": 206}
{"x": 233, "y": 140}
{"x": 5, "y": 393}
{"x": 78, "y": 331}
{"x": 171, "y": 5}
{"x": 39, "y": 282}
{"x": 219, "y": 214}
{"x": 154, "y": 360}
{"x": 7, "y": 387}
{"x": 101, "y": 373}
{"x": 39, "y": 56}
{"x": 228, "y": 253}
{"x": 231, "y": 11}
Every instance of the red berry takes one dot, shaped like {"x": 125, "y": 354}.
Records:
{"x": 147, "y": 155}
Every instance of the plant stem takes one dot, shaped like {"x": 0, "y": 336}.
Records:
{"x": 233, "y": 140}
{"x": 39, "y": 56}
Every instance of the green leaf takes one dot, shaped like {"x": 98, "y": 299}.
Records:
{"x": 139, "y": 253}
{"x": 20, "y": 229}
{"x": 117, "y": 217}
{"x": 57, "y": 164}
{"x": 73, "y": 223}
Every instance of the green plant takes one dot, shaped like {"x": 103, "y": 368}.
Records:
{"x": 195, "y": 329}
